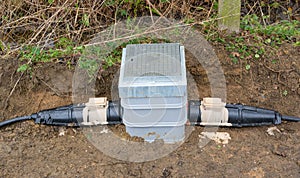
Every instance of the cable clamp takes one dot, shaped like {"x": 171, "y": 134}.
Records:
{"x": 214, "y": 112}
{"x": 95, "y": 112}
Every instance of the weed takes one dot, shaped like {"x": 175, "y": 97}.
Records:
{"x": 189, "y": 20}
{"x": 247, "y": 66}
{"x": 2, "y": 46}
{"x": 35, "y": 54}
{"x": 23, "y": 68}
{"x": 90, "y": 65}
{"x": 285, "y": 93}
{"x": 85, "y": 20}
{"x": 123, "y": 12}
{"x": 297, "y": 43}
{"x": 50, "y": 1}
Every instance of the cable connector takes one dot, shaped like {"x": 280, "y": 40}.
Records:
{"x": 95, "y": 112}
{"x": 214, "y": 112}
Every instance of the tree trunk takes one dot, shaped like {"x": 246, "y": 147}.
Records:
{"x": 229, "y": 15}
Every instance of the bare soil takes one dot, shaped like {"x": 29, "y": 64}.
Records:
{"x": 29, "y": 150}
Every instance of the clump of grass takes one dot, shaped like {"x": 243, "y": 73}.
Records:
{"x": 31, "y": 54}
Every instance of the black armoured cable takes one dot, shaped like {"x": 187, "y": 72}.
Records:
{"x": 72, "y": 115}
{"x": 241, "y": 115}
{"x": 14, "y": 120}
{"x": 290, "y": 118}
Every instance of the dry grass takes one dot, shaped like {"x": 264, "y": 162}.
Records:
{"x": 36, "y": 22}
{"x": 44, "y": 22}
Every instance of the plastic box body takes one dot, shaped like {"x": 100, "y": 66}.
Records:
{"x": 152, "y": 88}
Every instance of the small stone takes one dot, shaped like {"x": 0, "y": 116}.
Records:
{"x": 61, "y": 131}
{"x": 180, "y": 163}
{"x": 271, "y": 130}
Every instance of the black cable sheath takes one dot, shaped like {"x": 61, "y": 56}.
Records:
{"x": 14, "y": 120}
{"x": 290, "y": 118}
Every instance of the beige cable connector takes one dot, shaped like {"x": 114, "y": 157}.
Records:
{"x": 95, "y": 112}
{"x": 214, "y": 112}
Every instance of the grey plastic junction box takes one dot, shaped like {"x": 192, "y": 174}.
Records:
{"x": 152, "y": 88}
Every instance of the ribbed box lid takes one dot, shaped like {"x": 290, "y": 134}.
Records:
{"x": 152, "y": 70}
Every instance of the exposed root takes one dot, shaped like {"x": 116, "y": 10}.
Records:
{"x": 51, "y": 88}
{"x": 12, "y": 91}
